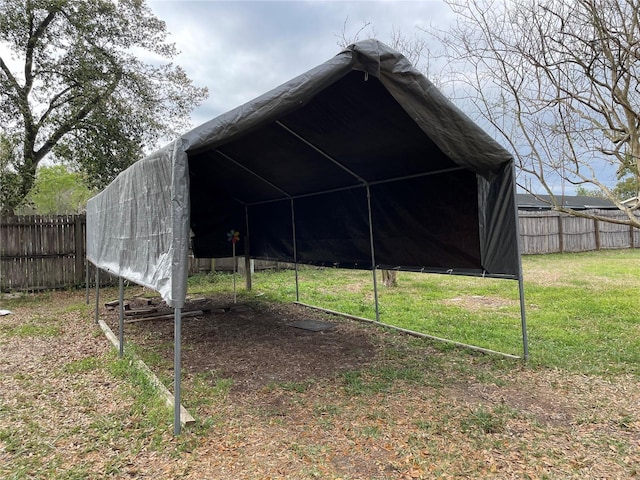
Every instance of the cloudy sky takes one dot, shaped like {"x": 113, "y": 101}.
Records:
{"x": 241, "y": 49}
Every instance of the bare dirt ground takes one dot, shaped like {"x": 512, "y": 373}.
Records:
{"x": 255, "y": 345}
{"x": 351, "y": 402}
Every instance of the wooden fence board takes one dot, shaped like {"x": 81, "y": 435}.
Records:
{"x": 539, "y": 232}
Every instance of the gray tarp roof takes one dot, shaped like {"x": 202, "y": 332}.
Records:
{"x": 362, "y": 146}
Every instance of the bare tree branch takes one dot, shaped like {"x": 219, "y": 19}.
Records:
{"x": 558, "y": 82}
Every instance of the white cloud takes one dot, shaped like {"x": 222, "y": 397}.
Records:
{"x": 242, "y": 49}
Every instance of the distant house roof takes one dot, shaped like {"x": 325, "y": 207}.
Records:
{"x": 526, "y": 201}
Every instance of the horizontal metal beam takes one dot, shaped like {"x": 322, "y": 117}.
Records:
{"x": 352, "y": 187}
{"x": 412, "y": 332}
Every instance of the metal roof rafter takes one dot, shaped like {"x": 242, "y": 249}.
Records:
{"x": 248, "y": 170}
{"x": 323, "y": 153}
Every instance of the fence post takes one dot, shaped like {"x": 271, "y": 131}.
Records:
{"x": 560, "y": 233}
{"x": 596, "y": 226}
{"x": 79, "y": 249}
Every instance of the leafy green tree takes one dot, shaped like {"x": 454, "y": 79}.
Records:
{"x": 10, "y": 180}
{"x": 586, "y": 192}
{"x": 57, "y": 190}
{"x": 626, "y": 188}
{"x": 73, "y": 86}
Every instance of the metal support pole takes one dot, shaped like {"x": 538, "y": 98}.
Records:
{"x": 523, "y": 315}
{"x": 177, "y": 369}
{"x": 121, "y": 317}
{"x": 295, "y": 249}
{"x": 235, "y": 268}
{"x": 97, "y": 293}
{"x": 247, "y": 254}
{"x": 373, "y": 256}
{"x": 523, "y": 319}
{"x": 86, "y": 278}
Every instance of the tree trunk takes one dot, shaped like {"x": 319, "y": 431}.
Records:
{"x": 390, "y": 278}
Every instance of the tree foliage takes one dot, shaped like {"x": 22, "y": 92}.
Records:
{"x": 559, "y": 82}
{"x": 74, "y": 86}
{"x": 57, "y": 190}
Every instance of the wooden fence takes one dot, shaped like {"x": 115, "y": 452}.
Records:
{"x": 41, "y": 252}
{"x": 554, "y": 232}
{"x": 45, "y": 252}
{"x": 48, "y": 252}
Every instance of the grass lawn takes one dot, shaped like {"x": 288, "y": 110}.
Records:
{"x": 386, "y": 405}
{"x": 581, "y": 308}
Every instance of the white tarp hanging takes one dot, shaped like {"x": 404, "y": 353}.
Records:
{"x": 138, "y": 227}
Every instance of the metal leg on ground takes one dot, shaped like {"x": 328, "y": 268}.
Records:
{"x": 121, "y": 317}
{"x": 97, "y": 293}
{"x": 176, "y": 370}
{"x": 86, "y": 279}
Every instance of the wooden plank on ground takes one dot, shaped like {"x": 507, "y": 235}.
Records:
{"x": 141, "y": 312}
{"x": 168, "y": 316}
{"x": 146, "y": 301}
{"x": 185, "y": 417}
{"x": 114, "y": 303}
